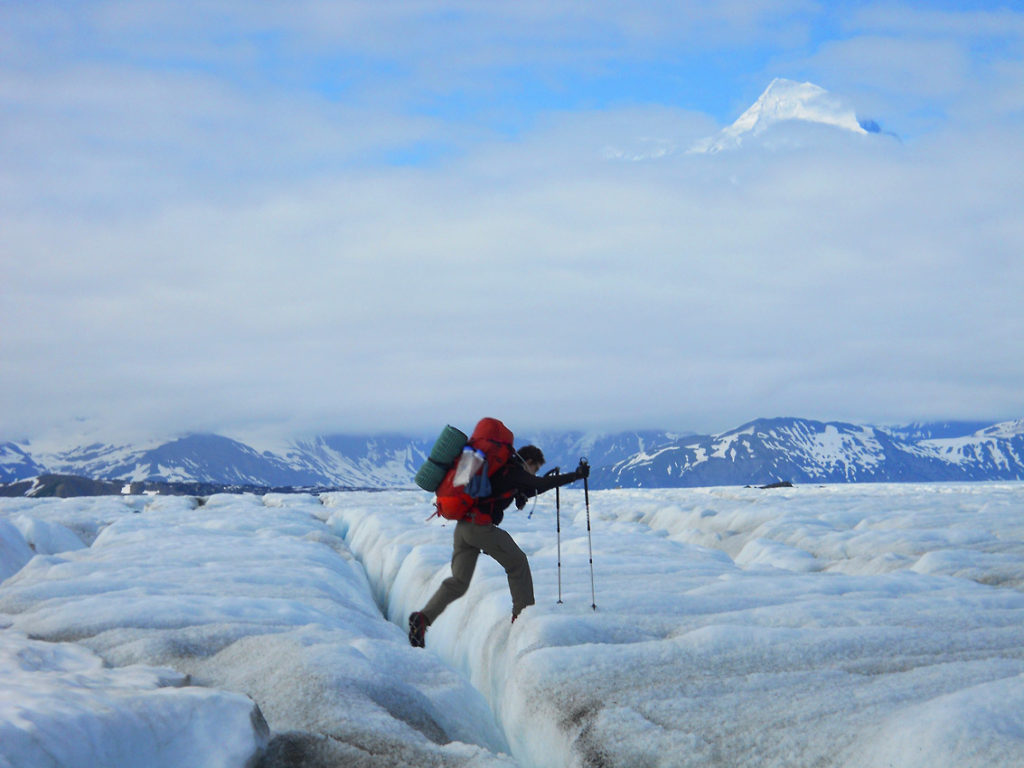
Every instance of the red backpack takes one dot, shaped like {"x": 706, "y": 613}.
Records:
{"x": 490, "y": 446}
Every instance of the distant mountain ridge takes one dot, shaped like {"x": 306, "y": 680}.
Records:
{"x": 759, "y": 452}
{"x": 352, "y": 461}
{"x": 802, "y": 451}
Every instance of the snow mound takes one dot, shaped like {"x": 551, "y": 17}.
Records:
{"x": 14, "y": 550}
{"x": 61, "y": 706}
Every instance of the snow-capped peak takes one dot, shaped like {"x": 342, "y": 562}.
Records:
{"x": 782, "y": 101}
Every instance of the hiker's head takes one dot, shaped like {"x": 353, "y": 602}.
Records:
{"x": 532, "y": 457}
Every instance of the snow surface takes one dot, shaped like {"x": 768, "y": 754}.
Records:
{"x": 856, "y": 625}
{"x": 60, "y": 706}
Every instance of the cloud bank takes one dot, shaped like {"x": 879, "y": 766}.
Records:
{"x": 357, "y": 218}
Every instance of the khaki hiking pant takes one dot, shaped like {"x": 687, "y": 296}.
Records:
{"x": 470, "y": 540}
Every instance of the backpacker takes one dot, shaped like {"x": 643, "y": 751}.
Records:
{"x": 488, "y": 450}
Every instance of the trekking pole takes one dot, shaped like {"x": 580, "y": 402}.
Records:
{"x": 590, "y": 545}
{"x": 558, "y": 531}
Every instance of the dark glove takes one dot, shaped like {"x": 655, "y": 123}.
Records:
{"x": 583, "y": 470}
{"x": 521, "y": 500}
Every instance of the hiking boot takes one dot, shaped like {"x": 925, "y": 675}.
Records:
{"x": 417, "y": 629}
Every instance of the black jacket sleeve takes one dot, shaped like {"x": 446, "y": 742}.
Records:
{"x": 513, "y": 481}
{"x": 516, "y": 478}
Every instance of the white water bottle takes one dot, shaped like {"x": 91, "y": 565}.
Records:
{"x": 469, "y": 464}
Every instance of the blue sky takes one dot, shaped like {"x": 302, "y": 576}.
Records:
{"x": 282, "y": 217}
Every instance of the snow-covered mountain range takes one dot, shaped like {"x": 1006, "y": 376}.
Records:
{"x": 760, "y": 452}
{"x": 804, "y": 451}
{"x": 352, "y": 461}
{"x": 786, "y": 107}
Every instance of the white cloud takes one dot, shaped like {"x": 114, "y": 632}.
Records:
{"x": 184, "y": 251}
{"x": 918, "y": 67}
{"x": 999, "y": 21}
{"x": 587, "y": 293}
